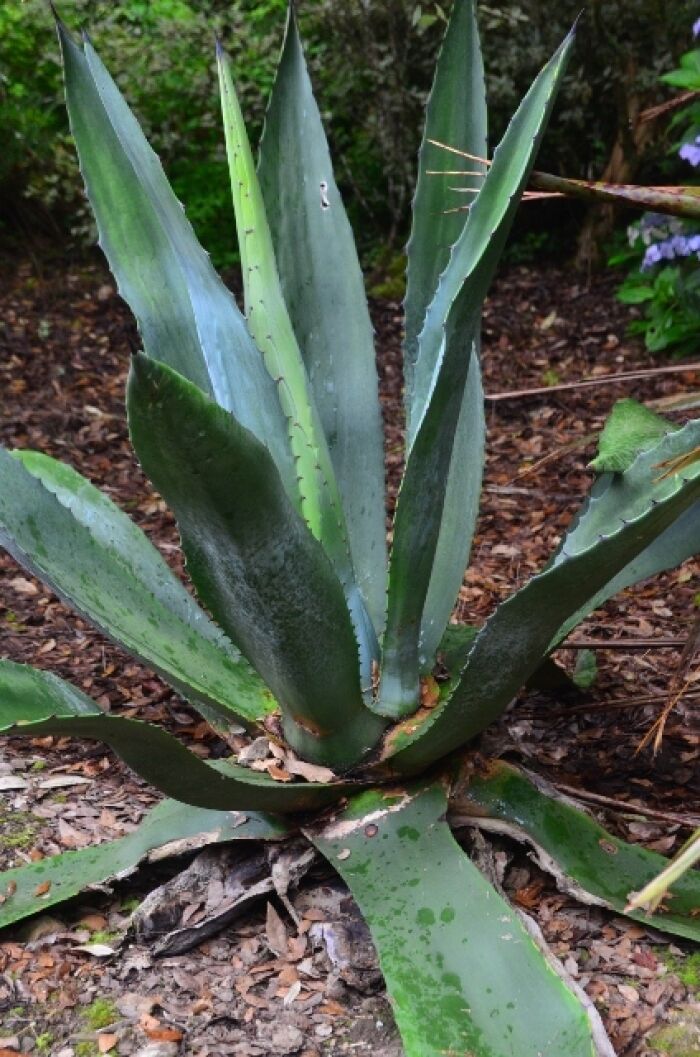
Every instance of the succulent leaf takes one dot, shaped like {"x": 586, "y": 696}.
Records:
{"x": 255, "y": 564}
{"x": 456, "y": 115}
{"x": 446, "y": 358}
{"x": 272, "y": 329}
{"x": 62, "y": 529}
{"x": 34, "y": 703}
{"x": 618, "y": 526}
{"x": 589, "y": 859}
{"x": 169, "y": 822}
{"x": 327, "y": 307}
{"x": 463, "y": 974}
{"x": 186, "y": 316}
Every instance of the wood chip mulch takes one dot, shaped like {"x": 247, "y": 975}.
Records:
{"x": 271, "y": 982}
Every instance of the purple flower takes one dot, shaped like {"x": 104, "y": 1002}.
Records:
{"x": 696, "y": 28}
{"x": 670, "y": 249}
{"x": 690, "y": 152}
{"x": 652, "y": 256}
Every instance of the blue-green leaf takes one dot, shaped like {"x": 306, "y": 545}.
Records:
{"x": 328, "y": 308}
{"x": 456, "y": 115}
{"x": 463, "y": 974}
{"x": 71, "y": 872}
{"x": 34, "y": 703}
{"x": 617, "y": 528}
{"x": 186, "y": 316}
{"x": 61, "y": 528}
{"x": 254, "y": 562}
{"x": 446, "y": 358}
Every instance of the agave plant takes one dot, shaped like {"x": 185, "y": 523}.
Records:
{"x": 262, "y": 432}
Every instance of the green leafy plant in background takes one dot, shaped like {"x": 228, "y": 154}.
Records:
{"x": 262, "y": 432}
{"x": 665, "y": 252}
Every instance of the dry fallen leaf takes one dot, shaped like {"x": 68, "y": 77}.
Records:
{"x": 106, "y": 1042}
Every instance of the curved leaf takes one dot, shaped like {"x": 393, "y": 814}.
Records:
{"x": 446, "y": 357}
{"x": 455, "y": 114}
{"x": 586, "y": 857}
{"x": 615, "y": 530}
{"x": 59, "y": 527}
{"x": 271, "y": 327}
{"x": 255, "y": 564}
{"x": 463, "y": 974}
{"x": 168, "y": 823}
{"x": 328, "y": 308}
{"x": 186, "y": 316}
{"x": 33, "y": 703}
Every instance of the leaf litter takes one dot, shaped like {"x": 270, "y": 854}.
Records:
{"x": 293, "y": 970}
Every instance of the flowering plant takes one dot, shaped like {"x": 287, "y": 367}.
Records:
{"x": 665, "y": 250}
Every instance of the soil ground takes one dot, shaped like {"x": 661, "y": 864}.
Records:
{"x": 266, "y": 984}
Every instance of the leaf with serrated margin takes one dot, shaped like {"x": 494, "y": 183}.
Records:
{"x": 463, "y": 975}
{"x": 327, "y": 307}
{"x": 456, "y": 115}
{"x": 63, "y": 530}
{"x": 272, "y": 329}
{"x": 586, "y": 857}
{"x": 611, "y": 496}
{"x": 169, "y": 823}
{"x": 34, "y": 703}
{"x": 186, "y": 316}
{"x": 618, "y": 527}
{"x": 446, "y": 357}
{"x": 254, "y": 562}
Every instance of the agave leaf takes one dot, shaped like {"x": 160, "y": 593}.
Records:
{"x": 328, "y": 308}
{"x": 591, "y": 863}
{"x": 680, "y": 541}
{"x": 169, "y": 823}
{"x": 616, "y": 529}
{"x": 186, "y": 316}
{"x": 455, "y": 114}
{"x": 463, "y": 974}
{"x": 630, "y": 428}
{"x": 63, "y": 530}
{"x": 674, "y": 201}
{"x": 459, "y": 513}
{"x": 446, "y": 358}
{"x": 255, "y": 564}
{"x": 33, "y": 703}
{"x": 272, "y": 329}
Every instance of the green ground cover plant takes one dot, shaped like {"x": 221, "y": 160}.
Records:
{"x": 261, "y": 430}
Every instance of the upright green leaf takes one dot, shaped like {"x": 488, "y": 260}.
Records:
{"x": 446, "y": 358}
{"x": 59, "y": 527}
{"x": 616, "y": 529}
{"x": 272, "y": 329}
{"x": 456, "y": 115}
{"x": 463, "y": 975}
{"x": 255, "y": 564}
{"x": 34, "y": 703}
{"x": 186, "y": 316}
{"x": 323, "y": 288}
{"x": 589, "y": 859}
{"x": 71, "y": 872}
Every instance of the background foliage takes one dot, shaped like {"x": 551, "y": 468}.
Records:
{"x": 371, "y": 61}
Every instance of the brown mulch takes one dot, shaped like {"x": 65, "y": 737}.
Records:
{"x": 65, "y": 340}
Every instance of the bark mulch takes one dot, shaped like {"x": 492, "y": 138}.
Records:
{"x": 77, "y": 980}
